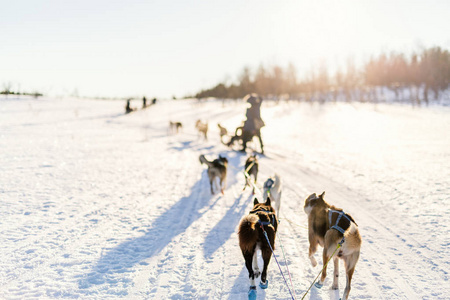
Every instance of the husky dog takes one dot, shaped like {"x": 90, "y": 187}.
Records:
{"x": 329, "y": 226}
{"x": 175, "y": 126}
{"x": 251, "y": 168}
{"x": 260, "y": 220}
{"x": 216, "y": 169}
{"x": 223, "y": 132}
{"x": 272, "y": 188}
{"x": 202, "y": 128}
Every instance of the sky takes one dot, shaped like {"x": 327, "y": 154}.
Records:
{"x": 163, "y": 48}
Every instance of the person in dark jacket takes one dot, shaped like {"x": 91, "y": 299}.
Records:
{"x": 128, "y": 109}
{"x": 253, "y": 123}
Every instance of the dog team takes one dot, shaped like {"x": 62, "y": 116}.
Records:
{"x": 328, "y": 226}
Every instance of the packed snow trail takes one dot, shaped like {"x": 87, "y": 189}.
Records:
{"x": 98, "y": 204}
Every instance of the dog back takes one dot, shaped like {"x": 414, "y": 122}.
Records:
{"x": 251, "y": 166}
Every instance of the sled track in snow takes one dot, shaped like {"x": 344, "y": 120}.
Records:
{"x": 375, "y": 235}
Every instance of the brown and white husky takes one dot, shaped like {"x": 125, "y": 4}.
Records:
{"x": 327, "y": 227}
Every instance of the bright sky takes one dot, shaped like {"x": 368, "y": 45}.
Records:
{"x": 160, "y": 48}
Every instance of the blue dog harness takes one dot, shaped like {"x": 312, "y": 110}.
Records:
{"x": 268, "y": 184}
{"x": 338, "y": 225}
{"x": 269, "y": 213}
{"x": 264, "y": 223}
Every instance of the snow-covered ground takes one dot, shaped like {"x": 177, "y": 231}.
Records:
{"x": 98, "y": 204}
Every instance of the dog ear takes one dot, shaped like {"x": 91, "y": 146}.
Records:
{"x": 311, "y": 197}
{"x": 321, "y": 195}
{"x": 255, "y": 201}
{"x": 267, "y": 201}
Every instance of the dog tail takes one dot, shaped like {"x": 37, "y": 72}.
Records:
{"x": 203, "y": 160}
{"x": 248, "y": 234}
{"x": 352, "y": 236}
{"x": 353, "y": 241}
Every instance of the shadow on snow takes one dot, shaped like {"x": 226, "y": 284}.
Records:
{"x": 165, "y": 228}
{"x": 173, "y": 222}
{"x": 225, "y": 227}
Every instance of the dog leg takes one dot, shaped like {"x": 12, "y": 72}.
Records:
{"x": 211, "y": 182}
{"x": 246, "y": 183}
{"x": 349, "y": 275}
{"x": 248, "y": 256}
{"x": 223, "y": 184}
{"x": 253, "y": 190}
{"x": 335, "y": 285}
{"x": 266, "y": 254}
{"x": 319, "y": 283}
{"x": 350, "y": 264}
{"x": 312, "y": 249}
{"x": 256, "y": 270}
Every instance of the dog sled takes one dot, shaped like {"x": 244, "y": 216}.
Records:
{"x": 242, "y": 137}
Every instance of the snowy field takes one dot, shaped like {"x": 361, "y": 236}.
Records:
{"x": 96, "y": 204}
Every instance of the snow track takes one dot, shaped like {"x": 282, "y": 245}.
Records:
{"x": 96, "y": 204}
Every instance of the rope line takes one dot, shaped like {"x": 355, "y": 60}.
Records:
{"x": 279, "y": 267}
{"x": 285, "y": 261}
{"x": 324, "y": 267}
{"x": 293, "y": 223}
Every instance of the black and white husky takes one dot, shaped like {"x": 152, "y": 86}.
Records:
{"x": 251, "y": 169}
{"x": 257, "y": 231}
{"x": 216, "y": 169}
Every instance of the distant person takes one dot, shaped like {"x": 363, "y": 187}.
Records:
{"x": 144, "y": 102}
{"x": 128, "y": 109}
{"x": 154, "y": 101}
{"x": 253, "y": 123}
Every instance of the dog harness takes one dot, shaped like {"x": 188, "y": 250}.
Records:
{"x": 269, "y": 183}
{"x": 341, "y": 225}
{"x": 268, "y": 212}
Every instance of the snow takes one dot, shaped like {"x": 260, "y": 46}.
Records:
{"x": 99, "y": 204}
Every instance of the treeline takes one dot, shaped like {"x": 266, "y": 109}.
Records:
{"x": 36, "y": 94}
{"x": 418, "y": 77}
{"x": 7, "y": 90}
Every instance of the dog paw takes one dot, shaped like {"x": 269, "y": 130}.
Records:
{"x": 264, "y": 285}
{"x": 256, "y": 273}
{"x": 318, "y": 285}
{"x": 252, "y": 293}
{"x": 335, "y": 287}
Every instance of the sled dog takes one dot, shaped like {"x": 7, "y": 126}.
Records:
{"x": 251, "y": 168}
{"x": 222, "y": 131}
{"x": 272, "y": 187}
{"x": 261, "y": 219}
{"x": 328, "y": 226}
{"x": 216, "y": 169}
{"x": 175, "y": 126}
{"x": 202, "y": 128}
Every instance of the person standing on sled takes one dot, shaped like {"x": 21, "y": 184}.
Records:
{"x": 254, "y": 123}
